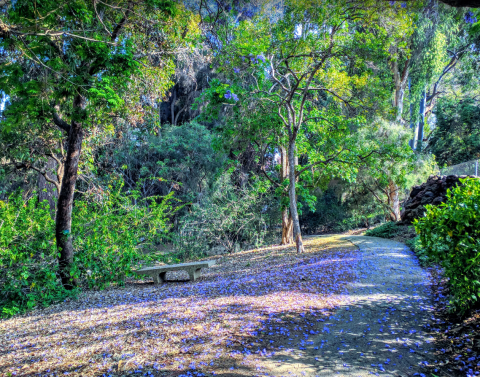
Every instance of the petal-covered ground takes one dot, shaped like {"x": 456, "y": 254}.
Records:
{"x": 237, "y": 315}
{"x": 381, "y": 328}
{"x": 457, "y": 338}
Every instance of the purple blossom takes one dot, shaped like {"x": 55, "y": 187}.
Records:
{"x": 261, "y": 57}
{"x": 230, "y": 95}
{"x": 236, "y": 70}
{"x": 404, "y": 5}
{"x": 470, "y": 18}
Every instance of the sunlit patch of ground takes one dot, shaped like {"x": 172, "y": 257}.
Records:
{"x": 240, "y": 310}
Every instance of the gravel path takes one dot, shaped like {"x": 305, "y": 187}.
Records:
{"x": 379, "y": 328}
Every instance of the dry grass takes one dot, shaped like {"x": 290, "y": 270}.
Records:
{"x": 231, "y": 317}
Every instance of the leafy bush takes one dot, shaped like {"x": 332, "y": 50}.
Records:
{"x": 111, "y": 238}
{"x": 182, "y": 156}
{"x": 387, "y": 230}
{"x": 227, "y": 216}
{"x": 456, "y": 137}
{"x": 450, "y": 234}
{"x": 112, "y": 235}
{"x": 28, "y": 256}
{"x": 416, "y": 245}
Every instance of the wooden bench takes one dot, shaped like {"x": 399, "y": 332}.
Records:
{"x": 158, "y": 272}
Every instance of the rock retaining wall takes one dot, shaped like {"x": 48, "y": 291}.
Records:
{"x": 434, "y": 192}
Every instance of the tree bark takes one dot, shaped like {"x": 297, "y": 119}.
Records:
{"x": 46, "y": 190}
{"x": 421, "y": 124}
{"x": 63, "y": 226}
{"x": 293, "y": 197}
{"x": 287, "y": 223}
{"x": 400, "y": 79}
{"x": 394, "y": 201}
{"x": 399, "y": 96}
{"x": 287, "y": 228}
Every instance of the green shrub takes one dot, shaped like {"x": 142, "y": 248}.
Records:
{"x": 416, "y": 245}
{"x": 450, "y": 234}
{"x": 227, "y": 216}
{"x": 387, "y": 230}
{"x": 28, "y": 256}
{"x": 112, "y": 237}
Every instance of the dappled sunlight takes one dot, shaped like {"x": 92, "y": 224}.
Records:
{"x": 267, "y": 311}
{"x": 182, "y": 326}
{"x": 378, "y": 327}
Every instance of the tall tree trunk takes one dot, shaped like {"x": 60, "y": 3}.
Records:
{"x": 394, "y": 201}
{"x": 63, "y": 226}
{"x": 287, "y": 228}
{"x": 287, "y": 223}
{"x": 400, "y": 79}
{"x": 421, "y": 123}
{"x": 413, "y": 141}
{"x": 293, "y": 197}
{"x": 46, "y": 190}
{"x": 399, "y": 96}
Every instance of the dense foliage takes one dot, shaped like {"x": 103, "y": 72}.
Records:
{"x": 229, "y": 217}
{"x": 112, "y": 236}
{"x": 387, "y": 230}
{"x": 450, "y": 234}
{"x": 456, "y": 138}
{"x": 27, "y": 256}
{"x": 228, "y": 124}
{"x": 178, "y": 159}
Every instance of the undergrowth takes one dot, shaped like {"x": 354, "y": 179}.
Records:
{"x": 111, "y": 238}
{"x": 387, "y": 230}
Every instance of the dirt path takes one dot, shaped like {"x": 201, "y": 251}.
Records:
{"x": 378, "y": 329}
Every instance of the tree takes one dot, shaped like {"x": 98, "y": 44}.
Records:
{"x": 312, "y": 67}
{"x": 75, "y": 64}
{"x": 456, "y": 138}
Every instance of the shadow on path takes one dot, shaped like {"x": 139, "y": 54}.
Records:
{"x": 378, "y": 330}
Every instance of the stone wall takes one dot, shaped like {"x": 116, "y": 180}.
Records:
{"x": 434, "y": 191}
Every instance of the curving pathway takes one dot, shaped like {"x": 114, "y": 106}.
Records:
{"x": 379, "y": 328}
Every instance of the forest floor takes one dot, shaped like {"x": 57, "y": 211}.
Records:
{"x": 349, "y": 305}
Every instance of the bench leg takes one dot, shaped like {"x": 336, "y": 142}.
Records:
{"x": 194, "y": 274}
{"x": 159, "y": 278}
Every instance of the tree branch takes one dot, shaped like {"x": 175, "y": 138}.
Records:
{"x": 122, "y": 22}
{"x": 60, "y": 123}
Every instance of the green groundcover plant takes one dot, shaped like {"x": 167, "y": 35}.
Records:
{"x": 450, "y": 234}
{"x": 111, "y": 237}
{"x": 387, "y": 230}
